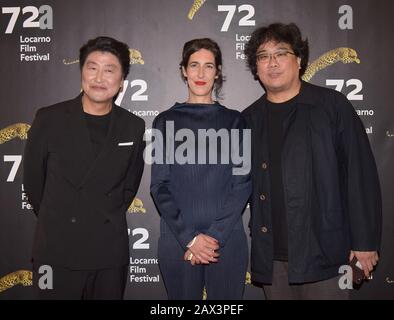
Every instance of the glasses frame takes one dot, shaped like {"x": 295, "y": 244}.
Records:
{"x": 273, "y": 55}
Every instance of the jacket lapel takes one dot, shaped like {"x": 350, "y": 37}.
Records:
{"x": 260, "y": 153}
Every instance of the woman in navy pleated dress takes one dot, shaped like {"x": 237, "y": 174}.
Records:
{"x": 197, "y": 188}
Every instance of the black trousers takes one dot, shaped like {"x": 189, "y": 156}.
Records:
{"x": 320, "y": 290}
{"x": 224, "y": 280}
{"x": 68, "y": 284}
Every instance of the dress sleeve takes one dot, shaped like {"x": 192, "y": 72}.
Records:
{"x": 160, "y": 187}
{"x": 241, "y": 186}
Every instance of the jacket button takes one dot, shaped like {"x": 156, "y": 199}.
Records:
{"x": 109, "y": 194}
{"x": 73, "y": 220}
{"x": 264, "y": 229}
{"x": 262, "y": 197}
{"x": 264, "y": 165}
{"x": 106, "y": 221}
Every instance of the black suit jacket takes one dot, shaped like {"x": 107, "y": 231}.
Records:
{"x": 81, "y": 200}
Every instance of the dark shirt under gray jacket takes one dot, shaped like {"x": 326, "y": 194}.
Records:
{"x": 330, "y": 184}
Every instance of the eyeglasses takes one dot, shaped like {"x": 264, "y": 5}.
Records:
{"x": 278, "y": 55}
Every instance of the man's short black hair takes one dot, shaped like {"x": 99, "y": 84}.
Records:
{"x": 277, "y": 32}
{"x": 107, "y": 44}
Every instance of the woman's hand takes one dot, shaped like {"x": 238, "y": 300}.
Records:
{"x": 188, "y": 256}
{"x": 203, "y": 249}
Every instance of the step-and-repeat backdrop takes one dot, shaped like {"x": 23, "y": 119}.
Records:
{"x": 351, "y": 50}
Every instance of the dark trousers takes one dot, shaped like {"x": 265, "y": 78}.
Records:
{"x": 320, "y": 290}
{"x": 103, "y": 284}
{"x": 224, "y": 280}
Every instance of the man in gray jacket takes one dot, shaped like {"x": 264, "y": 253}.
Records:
{"x": 316, "y": 201}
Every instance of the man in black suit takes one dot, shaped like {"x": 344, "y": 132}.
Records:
{"x": 83, "y": 163}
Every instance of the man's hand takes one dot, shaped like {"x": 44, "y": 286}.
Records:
{"x": 203, "y": 249}
{"x": 368, "y": 260}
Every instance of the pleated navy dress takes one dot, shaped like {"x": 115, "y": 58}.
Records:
{"x": 194, "y": 197}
